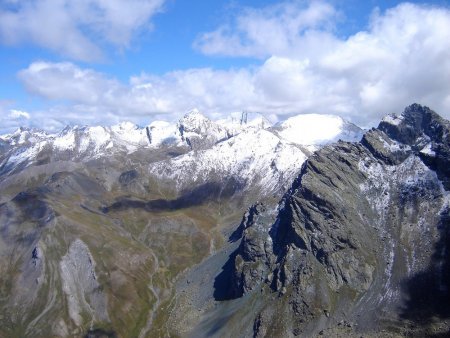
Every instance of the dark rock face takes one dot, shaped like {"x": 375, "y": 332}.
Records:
{"x": 362, "y": 234}
{"x": 98, "y": 333}
{"x": 421, "y": 126}
{"x": 3, "y": 146}
{"x": 249, "y": 265}
{"x": 128, "y": 176}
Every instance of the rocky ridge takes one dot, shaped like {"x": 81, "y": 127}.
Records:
{"x": 361, "y": 237}
{"x": 194, "y": 151}
{"x": 357, "y": 247}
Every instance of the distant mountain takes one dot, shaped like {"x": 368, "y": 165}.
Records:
{"x": 100, "y": 225}
{"x": 194, "y": 131}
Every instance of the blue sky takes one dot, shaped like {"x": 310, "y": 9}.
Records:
{"x": 84, "y": 62}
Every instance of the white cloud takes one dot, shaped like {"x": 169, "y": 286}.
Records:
{"x": 177, "y": 91}
{"x": 18, "y": 114}
{"x": 285, "y": 29}
{"x": 402, "y": 58}
{"x": 65, "y": 81}
{"x": 10, "y": 119}
{"x": 75, "y": 28}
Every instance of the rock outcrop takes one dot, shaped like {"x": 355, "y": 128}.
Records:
{"x": 79, "y": 283}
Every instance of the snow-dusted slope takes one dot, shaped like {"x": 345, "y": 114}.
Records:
{"x": 93, "y": 140}
{"x": 193, "y": 131}
{"x": 162, "y": 133}
{"x": 269, "y": 158}
{"x": 25, "y": 147}
{"x": 254, "y": 156}
{"x": 199, "y": 132}
{"x": 24, "y": 136}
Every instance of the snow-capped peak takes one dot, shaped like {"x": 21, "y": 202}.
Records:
{"x": 24, "y": 135}
{"x": 194, "y": 115}
{"x": 317, "y": 129}
{"x": 91, "y": 140}
{"x": 194, "y": 121}
{"x": 198, "y": 131}
{"x": 237, "y": 140}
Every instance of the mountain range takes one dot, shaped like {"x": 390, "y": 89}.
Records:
{"x": 236, "y": 227}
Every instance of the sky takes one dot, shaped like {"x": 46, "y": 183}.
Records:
{"x": 100, "y": 62}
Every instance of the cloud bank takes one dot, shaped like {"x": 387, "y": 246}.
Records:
{"x": 75, "y": 28}
{"x": 305, "y": 67}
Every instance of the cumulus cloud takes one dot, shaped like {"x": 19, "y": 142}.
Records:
{"x": 208, "y": 89}
{"x": 18, "y": 114}
{"x": 284, "y": 29}
{"x": 65, "y": 81}
{"x": 75, "y": 28}
{"x": 10, "y": 119}
{"x": 402, "y": 58}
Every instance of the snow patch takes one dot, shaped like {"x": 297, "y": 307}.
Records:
{"x": 393, "y": 146}
{"x": 393, "y": 119}
{"x": 65, "y": 141}
{"x": 428, "y": 151}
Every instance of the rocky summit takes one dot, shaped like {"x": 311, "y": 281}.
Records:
{"x": 227, "y": 229}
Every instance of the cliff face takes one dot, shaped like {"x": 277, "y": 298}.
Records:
{"x": 361, "y": 237}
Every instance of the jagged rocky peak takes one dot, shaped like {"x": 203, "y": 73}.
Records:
{"x": 415, "y": 125}
{"x": 253, "y": 248}
{"x": 418, "y": 130}
{"x": 364, "y": 226}
{"x": 24, "y": 136}
{"x": 199, "y": 132}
